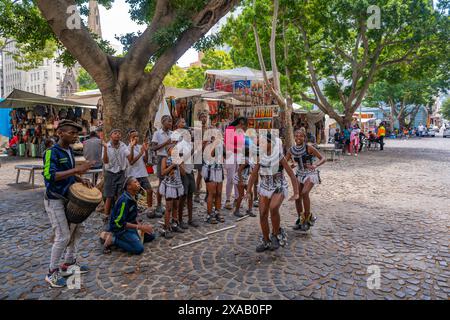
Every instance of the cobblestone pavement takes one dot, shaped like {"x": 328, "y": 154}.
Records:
{"x": 390, "y": 209}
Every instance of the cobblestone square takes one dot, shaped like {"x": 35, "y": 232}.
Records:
{"x": 388, "y": 209}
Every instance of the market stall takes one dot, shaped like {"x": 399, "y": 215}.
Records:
{"x": 34, "y": 119}
{"x": 313, "y": 121}
{"x": 243, "y": 93}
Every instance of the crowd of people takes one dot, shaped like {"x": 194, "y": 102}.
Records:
{"x": 254, "y": 166}
{"x": 352, "y": 139}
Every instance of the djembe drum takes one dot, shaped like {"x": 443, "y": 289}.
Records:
{"x": 82, "y": 202}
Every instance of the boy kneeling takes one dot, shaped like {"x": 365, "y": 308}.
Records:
{"x": 123, "y": 225}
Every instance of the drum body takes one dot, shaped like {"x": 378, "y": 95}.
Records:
{"x": 82, "y": 202}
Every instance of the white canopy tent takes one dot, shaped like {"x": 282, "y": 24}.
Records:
{"x": 237, "y": 74}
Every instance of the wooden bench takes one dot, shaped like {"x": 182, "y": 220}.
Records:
{"x": 331, "y": 154}
{"x": 28, "y": 167}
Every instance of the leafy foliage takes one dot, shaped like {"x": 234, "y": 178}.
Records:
{"x": 445, "y": 109}
{"x": 85, "y": 81}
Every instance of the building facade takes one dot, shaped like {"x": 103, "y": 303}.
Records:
{"x": 45, "y": 80}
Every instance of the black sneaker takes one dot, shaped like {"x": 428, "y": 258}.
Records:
{"x": 299, "y": 223}
{"x": 176, "y": 227}
{"x": 305, "y": 226}
{"x": 282, "y": 237}
{"x": 210, "y": 219}
{"x": 275, "y": 242}
{"x": 264, "y": 245}
{"x": 168, "y": 234}
{"x": 193, "y": 224}
{"x": 184, "y": 225}
{"x": 251, "y": 213}
{"x": 238, "y": 214}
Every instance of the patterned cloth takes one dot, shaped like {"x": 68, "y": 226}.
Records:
{"x": 272, "y": 179}
{"x": 302, "y": 157}
{"x": 172, "y": 186}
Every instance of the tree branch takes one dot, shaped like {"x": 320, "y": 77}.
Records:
{"x": 201, "y": 24}
{"x": 79, "y": 42}
{"x": 145, "y": 47}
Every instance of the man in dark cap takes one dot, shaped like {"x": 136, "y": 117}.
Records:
{"x": 60, "y": 173}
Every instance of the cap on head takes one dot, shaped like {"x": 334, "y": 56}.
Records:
{"x": 69, "y": 123}
{"x": 114, "y": 130}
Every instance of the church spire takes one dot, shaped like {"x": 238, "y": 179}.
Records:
{"x": 94, "y": 18}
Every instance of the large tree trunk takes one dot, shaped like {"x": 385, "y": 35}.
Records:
{"x": 118, "y": 116}
{"x": 130, "y": 95}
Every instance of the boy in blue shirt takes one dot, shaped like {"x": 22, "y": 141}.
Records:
{"x": 59, "y": 174}
{"x": 123, "y": 225}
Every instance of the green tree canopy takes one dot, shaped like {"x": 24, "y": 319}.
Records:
{"x": 330, "y": 51}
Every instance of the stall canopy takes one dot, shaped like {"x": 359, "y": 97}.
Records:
{"x": 170, "y": 92}
{"x": 23, "y": 99}
{"x": 236, "y": 74}
{"x": 90, "y": 97}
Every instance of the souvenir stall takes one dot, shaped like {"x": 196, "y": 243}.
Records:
{"x": 181, "y": 103}
{"x": 249, "y": 97}
{"x": 313, "y": 121}
{"x": 366, "y": 121}
{"x": 34, "y": 118}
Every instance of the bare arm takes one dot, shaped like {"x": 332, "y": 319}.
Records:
{"x": 131, "y": 155}
{"x": 165, "y": 170}
{"x": 318, "y": 155}
{"x": 156, "y": 146}
{"x": 105, "y": 154}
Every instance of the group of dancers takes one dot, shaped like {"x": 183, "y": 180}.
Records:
{"x": 259, "y": 172}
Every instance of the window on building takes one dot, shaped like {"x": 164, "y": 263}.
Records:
{"x": 58, "y": 76}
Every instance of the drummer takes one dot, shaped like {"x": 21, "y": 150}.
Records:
{"x": 60, "y": 173}
{"x": 123, "y": 225}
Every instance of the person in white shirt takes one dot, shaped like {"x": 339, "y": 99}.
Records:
{"x": 138, "y": 166}
{"x": 160, "y": 142}
{"x": 421, "y": 129}
{"x": 115, "y": 157}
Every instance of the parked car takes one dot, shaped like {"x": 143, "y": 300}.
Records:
{"x": 430, "y": 133}
{"x": 446, "y": 132}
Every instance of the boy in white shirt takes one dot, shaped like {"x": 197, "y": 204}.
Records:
{"x": 138, "y": 165}
{"x": 115, "y": 157}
